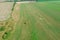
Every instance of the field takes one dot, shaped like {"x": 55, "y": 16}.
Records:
{"x": 36, "y": 21}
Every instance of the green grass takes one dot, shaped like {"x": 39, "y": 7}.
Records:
{"x": 37, "y": 21}
{"x": 2, "y": 28}
{"x": 50, "y": 8}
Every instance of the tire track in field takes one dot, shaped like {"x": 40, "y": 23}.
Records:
{"x": 30, "y": 25}
{"x": 24, "y": 33}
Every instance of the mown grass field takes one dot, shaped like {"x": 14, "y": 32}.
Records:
{"x": 37, "y": 21}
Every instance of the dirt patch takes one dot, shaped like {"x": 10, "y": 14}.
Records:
{"x": 15, "y": 14}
